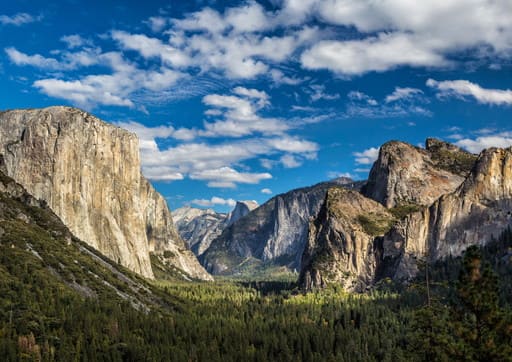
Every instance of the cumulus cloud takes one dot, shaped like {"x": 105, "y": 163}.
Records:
{"x": 366, "y": 157}
{"x": 109, "y": 89}
{"x": 476, "y": 145}
{"x": 214, "y": 201}
{"x": 228, "y": 177}
{"x": 266, "y": 191}
{"x": 237, "y": 115}
{"x": 18, "y": 19}
{"x": 380, "y": 53}
{"x": 218, "y": 164}
{"x": 402, "y": 33}
{"x": 465, "y": 88}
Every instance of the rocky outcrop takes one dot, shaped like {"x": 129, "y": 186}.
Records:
{"x": 88, "y": 172}
{"x": 479, "y": 209}
{"x": 404, "y": 174}
{"x": 382, "y": 243}
{"x": 340, "y": 247}
{"x": 198, "y": 227}
{"x": 241, "y": 209}
{"x": 274, "y": 233}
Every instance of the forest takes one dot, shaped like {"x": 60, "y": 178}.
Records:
{"x": 57, "y": 303}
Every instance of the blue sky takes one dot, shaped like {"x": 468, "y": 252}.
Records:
{"x": 236, "y": 100}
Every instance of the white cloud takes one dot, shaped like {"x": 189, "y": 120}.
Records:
{"x": 236, "y": 115}
{"x": 476, "y": 145}
{"x": 215, "y": 200}
{"x": 360, "y": 96}
{"x": 79, "y": 92}
{"x": 75, "y": 41}
{"x": 18, "y": 19}
{"x": 290, "y": 161}
{"x": 319, "y": 93}
{"x": 367, "y": 157}
{"x": 266, "y": 191}
{"x": 380, "y": 53}
{"x": 414, "y": 33}
{"x": 402, "y": 93}
{"x": 36, "y": 60}
{"x": 157, "y": 23}
{"x": 362, "y": 105}
{"x": 463, "y": 88}
{"x": 69, "y": 61}
{"x": 228, "y": 177}
{"x": 151, "y": 48}
{"x": 109, "y": 89}
{"x": 335, "y": 174}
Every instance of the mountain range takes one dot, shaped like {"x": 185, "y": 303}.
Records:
{"x": 418, "y": 205}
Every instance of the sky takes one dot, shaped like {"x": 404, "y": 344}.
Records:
{"x": 243, "y": 100}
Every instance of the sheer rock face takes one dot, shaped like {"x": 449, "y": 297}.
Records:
{"x": 276, "y": 232}
{"x": 241, "y": 209}
{"x": 198, "y": 227}
{"x": 88, "y": 172}
{"x": 340, "y": 249}
{"x": 480, "y": 208}
{"x": 404, "y": 174}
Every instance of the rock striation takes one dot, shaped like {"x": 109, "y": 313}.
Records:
{"x": 471, "y": 215}
{"x": 394, "y": 239}
{"x": 274, "y": 233}
{"x": 340, "y": 246}
{"x": 405, "y": 174}
{"x": 198, "y": 227}
{"x": 88, "y": 172}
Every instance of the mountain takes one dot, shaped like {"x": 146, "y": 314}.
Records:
{"x": 88, "y": 172}
{"x": 405, "y": 174}
{"x": 356, "y": 246}
{"x": 241, "y": 209}
{"x": 479, "y": 210}
{"x": 340, "y": 241}
{"x": 275, "y": 233}
{"x": 198, "y": 227}
{"x": 38, "y": 252}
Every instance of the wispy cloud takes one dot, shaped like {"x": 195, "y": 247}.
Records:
{"x": 18, "y": 19}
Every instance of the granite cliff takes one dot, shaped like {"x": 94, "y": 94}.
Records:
{"x": 479, "y": 209}
{"x": 275, "y": 233}
{"x": 463, "y": 200}
{"x": 405, "y": 174}
{"x": 340, "y": 241}
{"x": 88, "y": 172}
{"x": 198, "y": 227}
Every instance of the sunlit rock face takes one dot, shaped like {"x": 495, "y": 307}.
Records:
{"x": 275, "y": 233}
{"x": 405, "y": 174}
{"x": 480, "y": 208}
{"x": 89, "y": 174}
{"x": 354, "y": 243}
{"x": 340, "y": 247}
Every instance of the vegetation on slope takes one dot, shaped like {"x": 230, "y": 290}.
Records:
{"x": 59, "y": 301}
